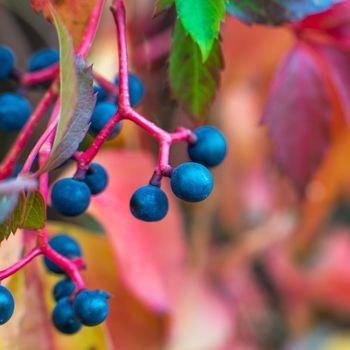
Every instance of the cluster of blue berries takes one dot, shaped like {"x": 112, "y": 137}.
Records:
{"x": 73, "y": 309}
{"x": 191, "y": 181}
{"x": 87, "y": 307}
{"x": 14, "y": 108}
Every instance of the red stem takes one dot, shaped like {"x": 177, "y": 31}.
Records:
{"x": 19, "y": 264}
{"x": 91, "y": 29}
{"x": 40, "y": 76}
{"x": 118, "y": 12}
{"x": 126, "y": 112}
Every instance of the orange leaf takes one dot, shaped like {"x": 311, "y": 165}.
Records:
{"x": 74, "y": 13}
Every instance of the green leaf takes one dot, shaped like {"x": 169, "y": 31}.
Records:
{"x": 68, "y": 78}
{"x": 193, "y": 82}
{"x": 201, "y": 19}
{"x": 29, "y": 213}
{"x": 35, "y": 211}
{"x": 162, "y": 5}
{"x": 77, "y": 127}
{"x": 9, "y": 191}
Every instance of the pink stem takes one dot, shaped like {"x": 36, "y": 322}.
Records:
{"x": 40, "y": 76}
{"x": 106, "y": 84}
{"x": 47, "y": 133}
{"x": 19, "y": 264}
{"x": 84, "y": 159}
{"x": 12, "y": 157}
{"x": 126, "y": 112}
{"x": 91, "y": 29}
{"x": 118, "y": 12}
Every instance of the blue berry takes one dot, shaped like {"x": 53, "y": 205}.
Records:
{"x": 136, "y": 90}
{"x": 210, "y": 147}
{"x": 63, "y": 288}
{"x": 70, "y": 197}
{"x": 66, "y": 246}
{"x": 14, "y": 111}
{"x": 43, "y": 59}
{"x": 63, "y": 317}
{"x": 7, "y": 305}
{"x": 91, "y": 307}
{"x": 7, "y": 62}
{"x": 149, "y": 203}
{"x": 101, "y": 93}
{"x": 102, "y": 113}
{"x": 96, "y": 178}
{"x": 191, "y": 182}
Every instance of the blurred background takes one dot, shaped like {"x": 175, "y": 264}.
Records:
{"x": 255, "y": 267}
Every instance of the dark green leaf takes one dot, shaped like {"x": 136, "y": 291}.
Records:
{"x": 201, "y": 19}
{"x": 193, "y": 82}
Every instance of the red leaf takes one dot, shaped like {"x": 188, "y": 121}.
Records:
{"x": 298, "y": 114}
{"x": 150, "y": 256}
{"x": 333, "y": 25}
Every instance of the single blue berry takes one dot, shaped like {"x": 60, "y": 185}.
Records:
{"x": 210, "y": 147}
{"x": 66, "y": 246}
{"x": 102, "y": 113}
{"x": 63, "y": 288}
{"x": 7, "y": 62}
{"x": 63, "y": 317}
{"x": 91, "y": 307}
{"x": 43, "y": 59}
{"x": 7, "y": 305}
{"x": 70, "y": 197}
{"x": 14, "y": 111}
{"x": 96, "y": 178}
{"x": 136, "y": 90}
{"x": 191, "y": 182}
{"x": 149, "y": 203}
{"x": 100, "y": 92}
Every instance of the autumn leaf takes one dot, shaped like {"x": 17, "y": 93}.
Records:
{"x": 298, "y": 115}
{"x": 74, "y": 13}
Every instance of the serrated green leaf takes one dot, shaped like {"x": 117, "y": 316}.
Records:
{"x": 9, "y": 191}
{"x": 193, "y": 82}
{"x": 201, "y": 19}
{"x": 18, "y": 214}
{"x": 35, "y": 211}
{"x": 77, "y": 127}
{"x": 68, "y": 78}
{"x": 163, "y": 5}
{"x": 29, "y": 213}
{"x": 12, "y": 222}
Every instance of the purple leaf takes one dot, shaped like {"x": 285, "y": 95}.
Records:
{"x": 298, "y": 114}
